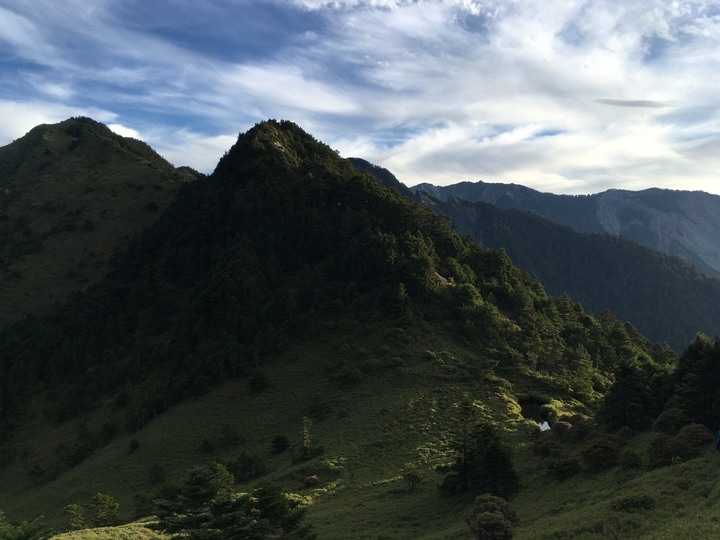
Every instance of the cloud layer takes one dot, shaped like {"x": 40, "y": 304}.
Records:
{"x": 563, "y": 96}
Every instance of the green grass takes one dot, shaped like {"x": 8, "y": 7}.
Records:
{"x": 131, "y": 531}
{"x": 401, "y": 416}
{"x": 395, "y": 420}
{"x": 684, "y": 503}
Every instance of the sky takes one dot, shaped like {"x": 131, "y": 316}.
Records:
{"x": 563, "y": 96}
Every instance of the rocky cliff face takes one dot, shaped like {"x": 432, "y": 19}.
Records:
{"x": 685, "y": 224}
{"x": 681, "y": 223}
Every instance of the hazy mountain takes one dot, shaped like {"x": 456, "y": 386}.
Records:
{"x": 71, "y": 194}
{"x": 666, "y": 298}
{"x": 685, "y": 224}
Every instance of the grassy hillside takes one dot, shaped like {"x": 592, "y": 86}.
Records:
{"x": 71, "y": 195}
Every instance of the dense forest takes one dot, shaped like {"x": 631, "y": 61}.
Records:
{"x": 666, "y": 298}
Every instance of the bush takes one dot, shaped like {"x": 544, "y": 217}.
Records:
{"x": 104, "y": 510}
{"x": 547, "y": 447}
{"x": 563, "y": 467}
{"x": 75, "y": 517}
{"x": 451, "y": 484}
{"x": 665, "y": 450}
{"x": 488, "y": 502}
{"x": 412, "y": 479}
{"x": 247, "y": 467}
{"x": 490, "y": 526}
{"x": 696, "y": 435}
{"x": 560, "y": 429}
{"x": 580, "y": 431}
{"x": 279, "y": 444}
{"x": 601, "y": 452}
{"x": 630, "y": 460}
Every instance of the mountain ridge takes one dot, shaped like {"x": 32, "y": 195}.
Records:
{"x": 71, "y": 195}
{"x": 680, "y": 223}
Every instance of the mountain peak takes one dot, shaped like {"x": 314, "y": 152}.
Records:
{"x": 278, "y": 146}
{"x": 72, "y": 193}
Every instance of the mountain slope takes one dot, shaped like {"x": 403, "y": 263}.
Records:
{"x": 289, "y": 295}
{"x": 71, "y": 194}
{"x": 681, "y": 223}
{"x": 665, "y": 298}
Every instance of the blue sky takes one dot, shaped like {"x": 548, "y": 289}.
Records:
{"x": 560, "y": 95}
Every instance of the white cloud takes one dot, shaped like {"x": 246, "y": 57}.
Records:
{"x": 124, "y": 131}
{"x": 21, "y": 117}
{"x": 199, "y": 151}
{"x": 568, "y": 95}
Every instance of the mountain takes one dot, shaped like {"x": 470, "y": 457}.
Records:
{"x": 71, "y": 195}
{"x": 684, "y": 224}
{"x": 291, "y": 320}
{"x": 665, "y": 298}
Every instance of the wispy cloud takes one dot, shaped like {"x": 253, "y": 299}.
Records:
{"x": 635, "y": 103}
{"x": 569, "y": 96}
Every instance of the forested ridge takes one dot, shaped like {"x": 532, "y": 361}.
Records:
{"x": 285, "y": 249}
{"x": 666, "y": 298}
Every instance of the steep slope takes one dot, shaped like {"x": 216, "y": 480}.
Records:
{"x": 665, "y": 298}
{"x": 71, "y": 194}
{"x": 290, "y": 295}
{"x": 684, "y": 224}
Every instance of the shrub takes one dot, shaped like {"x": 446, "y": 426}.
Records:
{"x": 104, "y": 510}
{"x": 630, "y": 460}
{"x": 562, "y": 467}
{"x": 560, "y": 429}
{"x": 490, "y": 526}
{"x": 580, "y": 431}
{"x": 451, "y": 484}
{"x": 488, "y": 502}
{"x": 665, "y": 450}
{"x": 247, "y": 467}
{"x": 601, "y": 452}
{"x": 75, "y": 517}
{"x": 412, "y": 479}
{"x": 547, "y": 447}
{"x": 696, "y": 434}
{"x": 279, "y": 444}
{"x": 660, "y": 452}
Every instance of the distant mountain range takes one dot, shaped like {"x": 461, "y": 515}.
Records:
{"x": 666, "y": 298}
{"x": 685, "y": 224}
